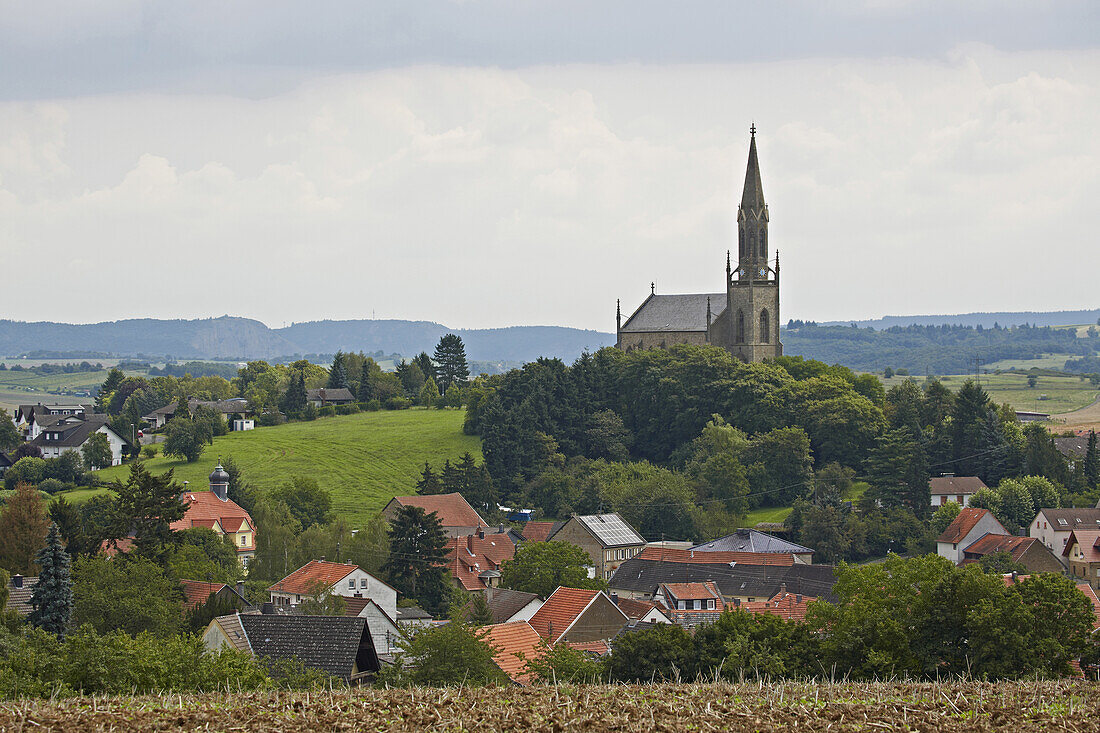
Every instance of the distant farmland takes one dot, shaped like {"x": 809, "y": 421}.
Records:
{"x": 363, "y": 459}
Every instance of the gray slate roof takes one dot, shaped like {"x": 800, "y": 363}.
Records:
{"x": 506, "y": 602}
{"x": 610, "y": 530}
{"x": 758, "y": 581}
{"x": 339, "y": 394}
{"x": 1072, "y": 447}
{"x": 73, "y": 435}
{"x": 955, "y": 485}
{"x": 332, "y": 644}
{"x": 675, "y": 313}
{"x": 749, "y": 540}
{"x": 1066, "y": 519}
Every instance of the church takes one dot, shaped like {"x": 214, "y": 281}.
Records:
{"x": 745, "y": 318}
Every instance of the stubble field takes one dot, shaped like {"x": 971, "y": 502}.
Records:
{"x": 973, "y": 706}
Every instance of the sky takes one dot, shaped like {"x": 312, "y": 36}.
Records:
{"x": 517, "y": 162}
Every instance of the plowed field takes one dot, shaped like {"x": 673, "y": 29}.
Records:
{"x": 1051, "y": 706}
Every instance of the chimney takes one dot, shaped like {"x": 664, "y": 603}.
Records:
{"x": 240, "y": 588}
{"x": 615, "y": 598}
{"x": 736, "y": 602}
{"x": 470, "y": 543}
{"x": 782, "y": 589}
{"x": 268, "y": 608}
{"x": 481, "y": 533}
{"x": 17, "y": 581}
{"x": 322, "y": 558}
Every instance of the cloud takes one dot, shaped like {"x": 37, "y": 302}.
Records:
{"x": 489, "y": 197}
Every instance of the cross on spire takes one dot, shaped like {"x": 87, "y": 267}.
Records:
{"x": 752, "y": 129}
{"x": 652, "y": 288}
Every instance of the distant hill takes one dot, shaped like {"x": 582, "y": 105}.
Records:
{"x": 985, "y": 320}
{"x": 229, "y": 337}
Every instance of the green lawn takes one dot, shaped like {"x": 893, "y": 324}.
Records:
{"x": 767, "y": 514}
{"x": 364, "y": 459}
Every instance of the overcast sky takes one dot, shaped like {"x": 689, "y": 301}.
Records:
{"x": 520, "y": 162}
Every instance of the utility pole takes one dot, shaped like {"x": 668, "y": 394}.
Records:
{"x": 977, "y": 362}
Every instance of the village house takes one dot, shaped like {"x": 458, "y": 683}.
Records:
{"x": 321, "y": 578}
{"x": 197, "y": 592}
{"x": 641, "y": 612}
{"x": 1082, "y": 555}
{"x": 5, "y": 462}
{"x": 324, "y": 397}
{"x": 411, "y": 618}
{"x": 507, "y": 605}
{"x": 215, "y": 510}
{"x": 741, "y": 577}
{"x": 966, "y": 529}
{"x": 458, "y": 518}
{"x": 29, "y": 419}
{"x": 1073, "y": 447}
{"x": 539, "y": 531}
{"x": 787, "y": 606}
{"x": 1053, "y": 527}
{"x": 750, "y": 540}
{"x": 607, "y": 539}
{"x": 958, "y": 489}
{"x": 474, "y": 560}
{"x": 385, "y": 632}
{"x": 1027, "y": 551}
{"x": 20, "y": 589}
{"x": 234, "y": 410}
{"x": 691, "y": 604}
{"x": 61, "y": 434}
{"x": 574, "y": 615}
{"x": 514, "y": 644}
{"x": 339, "y": 646}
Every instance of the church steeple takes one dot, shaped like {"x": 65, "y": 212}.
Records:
{"x": 752, "y": 221}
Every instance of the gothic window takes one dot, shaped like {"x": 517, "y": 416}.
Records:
{"x": 765, "y": 328}
{"x": 740, "y": 327}
{"x": 741, "y": 246}
{"x": 763, "y": 244}
{"x": 752, "y": 244}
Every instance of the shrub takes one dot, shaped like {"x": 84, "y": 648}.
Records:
{"x": 26, "y": 470}
{"x": 397, "y": 403}
{"x": 309, "y": 412}
{"x": 52, "y": 486}
{"x": 373, "y": 406}
{"x": 270, "y": 419}
{"x": 347, "y": 409}
{"x": 327, "y": 411}
{"x": 148, "y": 452}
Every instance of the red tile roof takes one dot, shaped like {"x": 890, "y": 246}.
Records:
{"x": 560, "y": 610}
{"x": 451, "y": 509}
{"x": 784, "y": 605}
{"x": 600, "y": 647}
{"x": 195, "y": 592}
{"x": 1088, "y": 540}
{"x": 993, "y": 543}
{"x": 514, "y": 643}
{"x": 668, "y": 554}
{"x": 204, "y": 508}
{"x": 634, "y": 609}
{"x": 314, "y": 575}
{"x": 691, "y": 591}
{"x": 961, "y": 526}
{"x": 955, "y": 485}
{"x": 110, "y": 548}
{"x": 538, "y": 531}
{"x": 468, "y": 557}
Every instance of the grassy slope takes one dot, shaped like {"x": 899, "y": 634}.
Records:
{"x": 1063, "y": 393}
{"x": 363, "y": 459}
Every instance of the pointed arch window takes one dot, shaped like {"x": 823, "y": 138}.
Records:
{"x": 741, "y": 244}
{"x": 765, "y": 328}
{"x": 740, "y": 327}
{"x": 763, "y": 244}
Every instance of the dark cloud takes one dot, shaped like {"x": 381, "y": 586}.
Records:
{"x": 259, "y": 47}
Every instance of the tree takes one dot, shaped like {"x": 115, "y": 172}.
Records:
{"x": 831, "y": 484}
{"x": 429, "y": 482}
{"x": 52, "y": 598}
{"x": 543, "y": 567}
{"x": 238, "y": 490}
{"x": 897, "y": 470}
{"x": 69, "y": 522}
{"x": 429, "y": 393}
{"x": 661, "y": 653}
{"x": 453, "y": 654}
{"x": 450, "y": 358}
{"x": 107, "y": 389}
{"x": 307, "y": 501}
{"x": 366, "y": 381}
{"x": 145, "y": 508}
{"x": 1032, "y": 380}
{"x": 943, "y": 517}
{"x": 479, "y": 612}
{"x": 607, "y": 437}
{"x": 187, "y": 438}
{"x": 134, "y": 596}
{"x": 25, "y": 471}
{"x": 9, "y": 436}
{"x": 276, "y": 532}
{"x": 1092, "y": 462}
{"x": 294, "y": 399}
{"x": 338, "y": 374}
{"x": 26, "y": 450}
{"x": 1001, "y": 563}
{"x": 427, "y": 368}
{"x": 23, "y": 526}
{"x": 418, "y": 551}
{"x": 968, "y": 417}
{"x": 888, "y": 372}
{"x": 203, "y": 554}
{"x": 96, "y": 452}
{"x": 412, "y": 379}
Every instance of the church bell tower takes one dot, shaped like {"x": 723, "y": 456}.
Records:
{"x": 752, "y": 289}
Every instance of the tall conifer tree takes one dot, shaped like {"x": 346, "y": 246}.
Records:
{"x": 52, "y": 598}
{"x": 450, "y": 356}
{"x": 338, "y": 375}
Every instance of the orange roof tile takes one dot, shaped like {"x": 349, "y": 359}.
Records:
{"x": 993, "y": 543}
{"x": 560, "y": 610}
{"x": 599, "y": 647}
{"x": 314, "y": 575}
{"x": 691, "y": 591}
{"x": 962, "y": 524}
{"x": 204, "y": 509}
{"x": 451, "y": 509}
{"x": 110, "y": 548}
{"x": 1091, "y": 595}
{"x": 195, "y": 592}
{"x": 538, "y": 531}
{"x": 514, "y": 643}
{"x": 468, "y": 557}
{"x": 669, "y": 554}
{"x": 1088, "y": 540}
{"x": 784, "y": 605}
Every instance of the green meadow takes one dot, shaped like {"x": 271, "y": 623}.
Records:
{"x": 363, "y": 460}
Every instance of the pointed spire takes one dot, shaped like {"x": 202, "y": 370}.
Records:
{"x": 618, "y": 315}
{"x": 729, "y": 270}
{"x": 653, "y": 288}
{"x": 753, "y": 196}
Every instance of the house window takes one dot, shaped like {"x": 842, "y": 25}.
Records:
{"x": 351, "y": 584}
{"x": 244, "y": 540}
{"x": 710, "y": 604}
{"x": 363, "y": 583}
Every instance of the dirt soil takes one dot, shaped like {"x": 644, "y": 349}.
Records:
{"x": 1087, "y": 418}
{"x": 1018, "y": 707}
